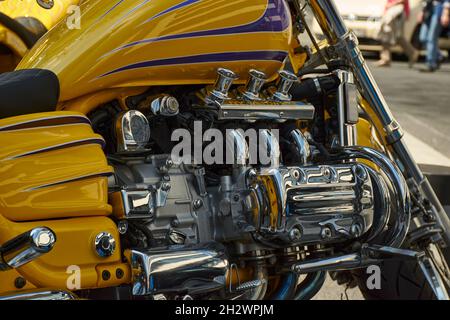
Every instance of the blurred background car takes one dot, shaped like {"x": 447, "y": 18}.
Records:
{"x": 364, "y": 18}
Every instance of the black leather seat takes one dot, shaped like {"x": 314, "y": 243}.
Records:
{"x": 28, "y": 91}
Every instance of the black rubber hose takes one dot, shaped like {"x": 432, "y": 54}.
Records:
{"x": 28, "y": 37}
{"x": 310, "y": 286}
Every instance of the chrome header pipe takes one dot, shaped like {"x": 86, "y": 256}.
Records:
{"x": 346, "y": 44}
{"x": 395, "y": 176}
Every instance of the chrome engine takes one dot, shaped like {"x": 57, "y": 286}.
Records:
{"x": 187, "y": 226}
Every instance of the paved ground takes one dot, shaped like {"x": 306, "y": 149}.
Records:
{"x": 421, "y": 103}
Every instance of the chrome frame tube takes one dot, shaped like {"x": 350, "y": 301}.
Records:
{"x": 346, "y": 43}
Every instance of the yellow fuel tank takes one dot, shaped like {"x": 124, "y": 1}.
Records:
{"x": 162, "y": 42}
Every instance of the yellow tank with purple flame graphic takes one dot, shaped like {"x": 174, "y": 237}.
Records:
{"x": 138, "y": 43}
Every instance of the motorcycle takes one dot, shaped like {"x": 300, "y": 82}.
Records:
{"x": 96, "y": 204}
{"x": 23, "y": 23}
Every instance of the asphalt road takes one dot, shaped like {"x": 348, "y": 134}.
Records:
{"x": 421, "y": 103}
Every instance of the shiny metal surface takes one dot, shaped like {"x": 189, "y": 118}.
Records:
{"x": 188, "y": 269}
{"x": 255, "y": 83}
{"x": 434, "y": 279}
{"x": 330, "y": 200}
{"x": 26, "y": 247}
{"x": 235, "y": 110}
{"x": 402, "y": 198}
{"x": 237, "y": 148}
{"x": 167, "y": 106}
{"x": 46, "y": 4}
{"x": 347, "y": 132}
{"x": 40, "y": 295}
{"x": 269, "y": 145}
{"x": 104, "y": 244}
{"x": 132, "y": 131}
{"x": 346, "y": 43}
{"x": 225, "y": 79}
{"x": 344, "y": 262}
{"x": 285, "y": 83}
{"x": 302, "y": 145}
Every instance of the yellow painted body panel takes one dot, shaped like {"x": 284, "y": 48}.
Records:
{"x": 52, "y": 166}
{"x": 30, "y": 8}
{"x": 74, "y": 247}
{"x": 120, "y": 34}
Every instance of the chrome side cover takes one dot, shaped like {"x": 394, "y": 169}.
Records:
{"x": 191, "y": 269}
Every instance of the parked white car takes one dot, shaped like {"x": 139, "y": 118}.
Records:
{"x": 364, "y": 18}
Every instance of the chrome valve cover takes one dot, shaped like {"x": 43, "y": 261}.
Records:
{"x": 316, "y": 204}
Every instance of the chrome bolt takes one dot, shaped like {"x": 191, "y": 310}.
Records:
{"x": 43, "y": 239}
{"x": 295, "y": 234}
{"x": 296, "y": 174}
{"x": 122, "y": 226}
{"x": 326, "y": 233}
{"x": 105, "y": 244}
{"x": 197, "y": 204}
{"x": 172, "y": 105}
{"x": 46, "y": 4}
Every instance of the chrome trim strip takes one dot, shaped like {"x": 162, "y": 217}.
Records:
{"x": 75, "y": 143}
{"x": 40, "y": 295}
{"x": 11, "y": 127}
{"x": 102, "y": 174}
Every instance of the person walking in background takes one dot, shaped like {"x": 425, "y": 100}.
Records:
{"x": 435, "y": 16}
{"x": 392, "y": 32}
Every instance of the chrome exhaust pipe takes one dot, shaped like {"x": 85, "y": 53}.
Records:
{"x": 26, "y": 248}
